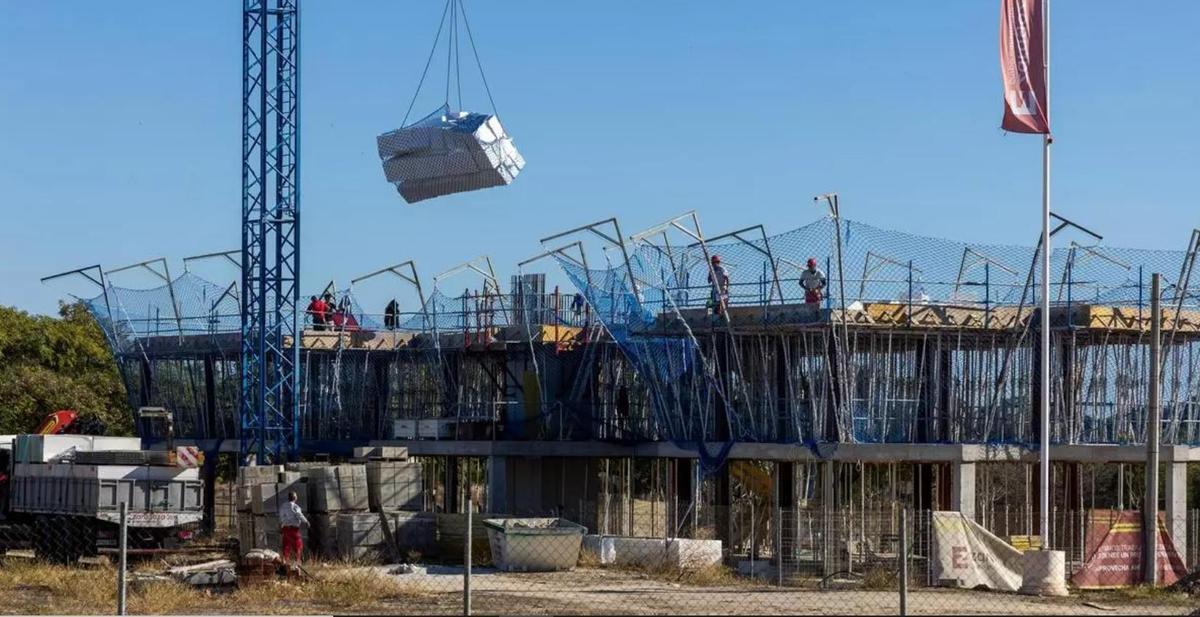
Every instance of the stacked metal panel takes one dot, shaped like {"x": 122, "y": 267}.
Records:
{"x": 449, "y": 152}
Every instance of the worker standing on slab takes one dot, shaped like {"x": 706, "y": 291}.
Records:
{"x": 390, "y": 315}
{"x": 812, "y": 280}
{"x": 291, "y": 518}
{"x": 316, "y": 312}
{"x": 718, "y": 277}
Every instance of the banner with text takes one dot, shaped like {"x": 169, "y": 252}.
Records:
{"x": 967, "y": 555}
{"x": 1114, "y": 552}
{"x": 1022, "y": 62}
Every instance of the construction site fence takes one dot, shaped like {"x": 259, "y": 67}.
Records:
{"x": 774, "y": 561}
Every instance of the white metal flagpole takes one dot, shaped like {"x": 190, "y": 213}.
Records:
{"x": 1044, "y": 475}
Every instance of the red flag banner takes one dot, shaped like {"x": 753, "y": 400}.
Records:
{"x": 1022, "y": 62}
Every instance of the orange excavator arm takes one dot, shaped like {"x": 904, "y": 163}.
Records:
{"x": 56, "y": 422}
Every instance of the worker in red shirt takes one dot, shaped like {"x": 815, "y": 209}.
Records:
{"x": 316, "y": 311}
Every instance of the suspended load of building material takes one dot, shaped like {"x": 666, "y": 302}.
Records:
{"x": 449, "y": 152}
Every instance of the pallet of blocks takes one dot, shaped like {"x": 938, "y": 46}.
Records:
{"x": 451, "y": 534}
{"x": 337, "y": 488}
{"x": 260, "y": 492}
{"x": 394, "y": 485}
{"x": 386, "y": 453}
{"x": 360, "y": 537}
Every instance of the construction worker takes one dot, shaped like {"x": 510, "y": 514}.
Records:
{"x": 291, "y": 518}
{"x": 812, "y": 280}
{"x": 316, "y": 312}
{"x": 577, "y": 307}
{"x": 718, "y": 277}
{"x": 390, "y": 313}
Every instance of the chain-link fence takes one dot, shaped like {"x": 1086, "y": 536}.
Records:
{"x": 742, "y": 560}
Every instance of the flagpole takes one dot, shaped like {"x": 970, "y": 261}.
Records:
{"x": 1044, "y": 472}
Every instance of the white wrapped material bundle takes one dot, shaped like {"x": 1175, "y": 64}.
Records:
{"x": 448, "y": 152}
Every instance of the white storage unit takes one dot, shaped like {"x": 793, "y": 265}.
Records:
{"x": 438, "y": 428}
{"x": 404, "y": 429}
{"x": 680, "y": 553}
{"x": 448, "y": 152}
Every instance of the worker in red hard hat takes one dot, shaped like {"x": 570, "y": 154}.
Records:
{"x": 812, "y": 281}
{"x": 718, "y": 277}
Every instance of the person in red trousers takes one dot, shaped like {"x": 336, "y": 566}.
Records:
{"x": 291, "y": 518}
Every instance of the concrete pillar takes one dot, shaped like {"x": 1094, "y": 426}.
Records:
{"x": 829, "y": 517}
{"x": 450, "y": 483}
{"x": 785, "y": 514}
{"x": 962, "y": 488}
{"x": 723, "y": 508}
{"x": 497, "y": 484}
{"x": 209, "y": 473}
{"x": 923, "y": 486}
{"x": 1176, "y": 497}
{"x": 681, "y": 478}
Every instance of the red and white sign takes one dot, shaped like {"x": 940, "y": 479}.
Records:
{"x": 1023, "y": 65}
{"x": 188, "y": 457}
{"x": 1114, "y": 552}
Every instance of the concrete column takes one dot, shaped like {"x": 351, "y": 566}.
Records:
{"x": 497, "y": 478}
{"x": 1176, "y": 497}
{"x": 962, "y": 488}
{"x": 829, "y": 517}
{"x": 785, "y": 509}
{"x": 451, "y": 485}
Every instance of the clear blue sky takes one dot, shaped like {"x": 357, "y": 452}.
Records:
{"x": 120, "y": 126}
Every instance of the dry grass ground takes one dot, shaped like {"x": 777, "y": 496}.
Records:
{"x": 31, "y": 587}
{"x": 34, "y": 587}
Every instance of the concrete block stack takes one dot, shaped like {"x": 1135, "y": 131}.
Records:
{"x": 337, "y": 488}
{"x": 343, "y": 504}
{"x": 394, "y": 485}
{"x": 260, "y": 492}
{"x": 360, "y": 535}
{"x": 333, "y": 491}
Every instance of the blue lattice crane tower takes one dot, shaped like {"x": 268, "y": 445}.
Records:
{"x": 270, "y": 405}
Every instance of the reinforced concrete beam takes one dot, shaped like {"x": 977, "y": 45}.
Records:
{"x": 868, "y": 453}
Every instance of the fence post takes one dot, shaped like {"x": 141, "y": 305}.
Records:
{"x": 779, "y": 545}
{"x": 753, "y": 574}
{"x": 903, "y": 561}
{"x": 121, "y": 548}
{"x": 467, "y": 559}
{"x": 1153, "y": 426}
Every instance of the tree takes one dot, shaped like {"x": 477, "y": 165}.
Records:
{"x": 49, "y": 363}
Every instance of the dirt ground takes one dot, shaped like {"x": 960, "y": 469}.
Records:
{"x": 38, "y": 588}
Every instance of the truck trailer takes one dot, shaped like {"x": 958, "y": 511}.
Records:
{"x": 60, "y": 495}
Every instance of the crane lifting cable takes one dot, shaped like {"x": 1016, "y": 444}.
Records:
{"x": 449, "y": 151}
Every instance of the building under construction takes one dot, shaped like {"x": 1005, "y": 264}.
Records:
{"x": 635, "y": 404}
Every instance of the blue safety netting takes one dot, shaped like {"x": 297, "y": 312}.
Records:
{"x": 885, "y": 266}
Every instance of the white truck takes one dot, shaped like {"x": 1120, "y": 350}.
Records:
{"x": 60, "y": 494}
